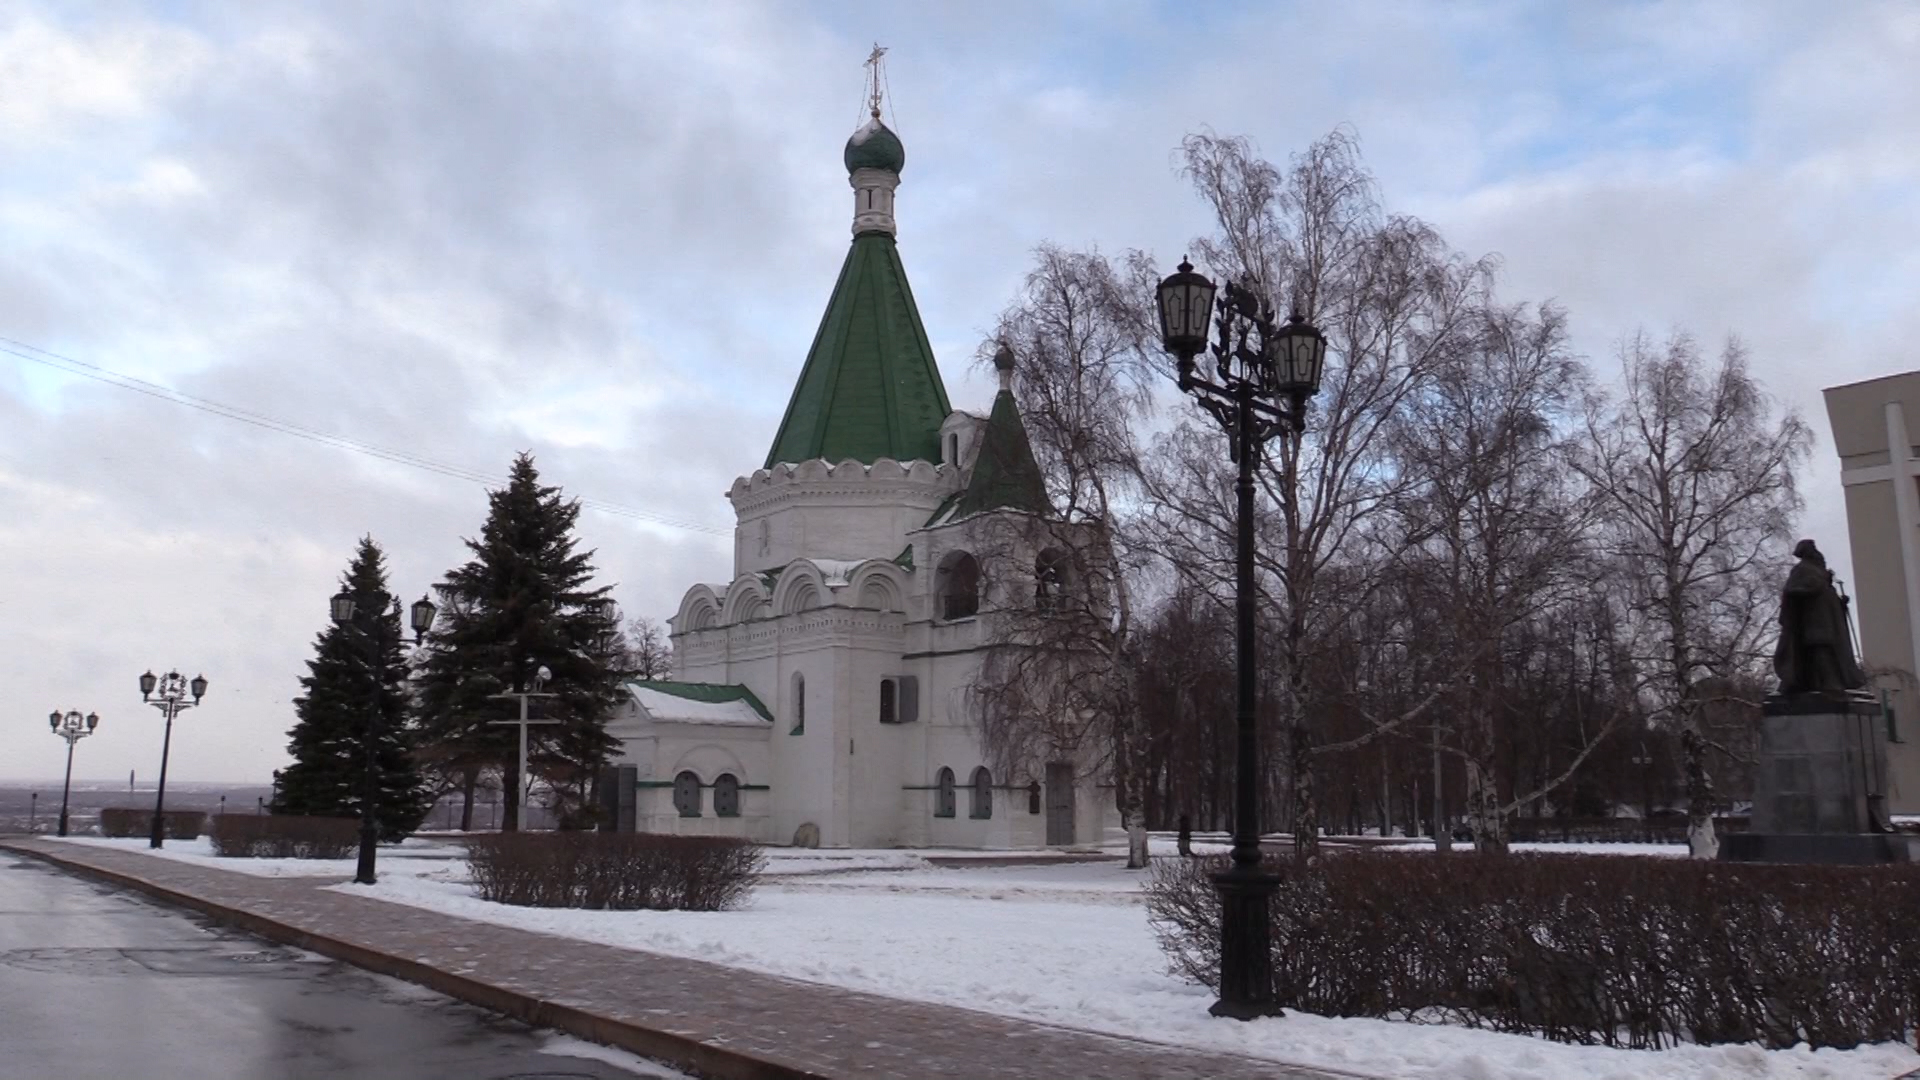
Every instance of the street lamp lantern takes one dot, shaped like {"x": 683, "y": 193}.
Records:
{"x": 53, "y": 719}
{"x": 421, "y": 616}
{"x": 1256, "y": 385}
{"x": 1300, "y": 353}
{"x": 1186, "y": 310}
{"x": 199, "y": 687}
{"x": 343, "y": 607}
{"x": 147, "y": 683}
{"x": 93, "y": 721}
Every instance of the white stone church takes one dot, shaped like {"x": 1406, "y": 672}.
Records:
{"x": 821, "y": 695}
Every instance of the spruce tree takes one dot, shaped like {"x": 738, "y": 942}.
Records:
{"x": 329, "y": 738}
{"x": 524, "y": 601}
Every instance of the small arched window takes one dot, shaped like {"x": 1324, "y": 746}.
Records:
{"x": 799, "y": 705}
{"x": 1033, "y": 797}
{"x": 953, "y": 449}
{"x": 981, "y": 805}
{"x": 1049, "y": 579}
{"x": 943, "y": 801}
{"x": 959, "y": 586}
{"x": 726, "y": 796}
{"x": 889, "y": 702}
{"x": 686, "y": 794}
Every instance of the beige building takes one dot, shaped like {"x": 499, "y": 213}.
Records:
{"x": 1873, "y": 424}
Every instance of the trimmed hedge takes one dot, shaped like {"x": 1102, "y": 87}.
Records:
{"x": 614, "y": 871}
{"x": 128, "y": 821}
{"x": 1627, "y": 952}
{"x": 284, "y": 836}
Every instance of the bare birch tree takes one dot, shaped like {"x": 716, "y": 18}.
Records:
{"x": 1058, "y": 682}
{"x": 1695, "y": 468}
{"x": 1391, "y": 297}
{"x": 1490, "y": 527}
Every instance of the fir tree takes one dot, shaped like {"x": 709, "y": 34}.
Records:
{"x": 522, "y": 602}
{"x": 329, "y": 738}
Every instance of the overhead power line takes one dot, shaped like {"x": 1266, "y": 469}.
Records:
{"x": 73, "y": 366}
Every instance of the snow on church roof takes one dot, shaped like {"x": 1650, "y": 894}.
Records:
{"x": 699, "y": 703}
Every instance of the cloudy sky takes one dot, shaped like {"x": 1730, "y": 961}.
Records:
{"x": 604, "y": 232}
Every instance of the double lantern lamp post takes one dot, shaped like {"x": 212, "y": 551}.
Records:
{"x": 172, "y": 690}
{"x": 1254, "y": 378}
{"x": 72, "y": 727}
{"x": 373, "y": 632}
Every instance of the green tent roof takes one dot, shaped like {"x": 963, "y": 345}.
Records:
{"x": 870, "y": 388}
{"x": 1005, "y": 475}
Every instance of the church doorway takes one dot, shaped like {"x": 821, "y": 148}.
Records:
{"x": 1059, "y": 804}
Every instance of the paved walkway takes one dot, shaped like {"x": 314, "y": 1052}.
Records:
{"x": 716, "y": 1020}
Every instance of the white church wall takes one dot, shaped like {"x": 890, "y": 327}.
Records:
{"x": 846, "y": 511}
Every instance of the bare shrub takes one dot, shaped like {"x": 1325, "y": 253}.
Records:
{"x": 129, "y": 821}
{"x": 284, "y": 836}
{"x": 1626, "y": 952}
{"x": 614, "y": 871}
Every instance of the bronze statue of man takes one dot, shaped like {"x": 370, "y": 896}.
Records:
{"x": 1815, "y": 653}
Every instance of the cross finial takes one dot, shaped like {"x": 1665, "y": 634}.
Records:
{"x": 873, "y": 78}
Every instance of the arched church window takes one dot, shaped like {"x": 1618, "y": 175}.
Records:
{"x": 799, "y": 705}
{"x": 959, "y": 586}
{"x": 726, "y": 796}
{"x": 1049, "y": 579}
{"x": 981, "y": 804}
{"x": 686, "y": 794}
{"x": 953, "y": 449}
{"x": 943, "y": 800}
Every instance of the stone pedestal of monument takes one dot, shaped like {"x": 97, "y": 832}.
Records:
{"x": 1820, "y": 789}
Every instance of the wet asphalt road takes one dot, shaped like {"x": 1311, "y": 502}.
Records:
{"x": 96, "y": 983}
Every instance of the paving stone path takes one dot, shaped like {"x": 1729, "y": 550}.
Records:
{"x": 717, "y": 1020}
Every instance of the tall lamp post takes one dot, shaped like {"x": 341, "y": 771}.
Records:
{"x": 344, "y": 606}
{"x": 72, "y": 727}
{"x": 172, "y": 689}
{"x": 1255, "y": 381}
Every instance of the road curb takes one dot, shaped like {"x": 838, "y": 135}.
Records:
{"x": 678, "y": 1051}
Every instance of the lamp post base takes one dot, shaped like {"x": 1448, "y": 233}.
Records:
{"x": 1246, "y": 941}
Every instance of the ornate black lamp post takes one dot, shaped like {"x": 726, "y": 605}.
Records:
{"x": 172, "y": 689}
{"x": 72, "y": 727}
{"x": 1255, "y": 380}
{"x": 344, "y": 605}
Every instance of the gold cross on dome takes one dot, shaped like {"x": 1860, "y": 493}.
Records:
{"x": 873, "y": 78}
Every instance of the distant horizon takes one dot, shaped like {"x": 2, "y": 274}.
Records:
{"x": 140, "y": 783}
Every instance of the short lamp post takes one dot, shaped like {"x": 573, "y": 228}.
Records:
{"x": 72, "y": 727}
{"x": 1255, "y": 380}
{"x": 373, "y": 633}
{"x": 523, "y": 785}
{"x": 171, "y": 690}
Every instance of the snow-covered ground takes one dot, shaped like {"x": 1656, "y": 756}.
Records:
{"x": 1069, "y": 943}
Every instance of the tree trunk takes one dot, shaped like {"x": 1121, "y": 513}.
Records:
{"x": 510, "y": 797}
{"x": 469, "y": 779}
{"x": 1306, "y": 813}
{"x": 1483, "y": 809}
{"x": 1701, "y": 841}
{"x": 1137, "y": 857}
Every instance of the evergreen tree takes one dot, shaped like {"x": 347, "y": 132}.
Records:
{"x": 329, "y": 738}
{"x": 524, "y": 601}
